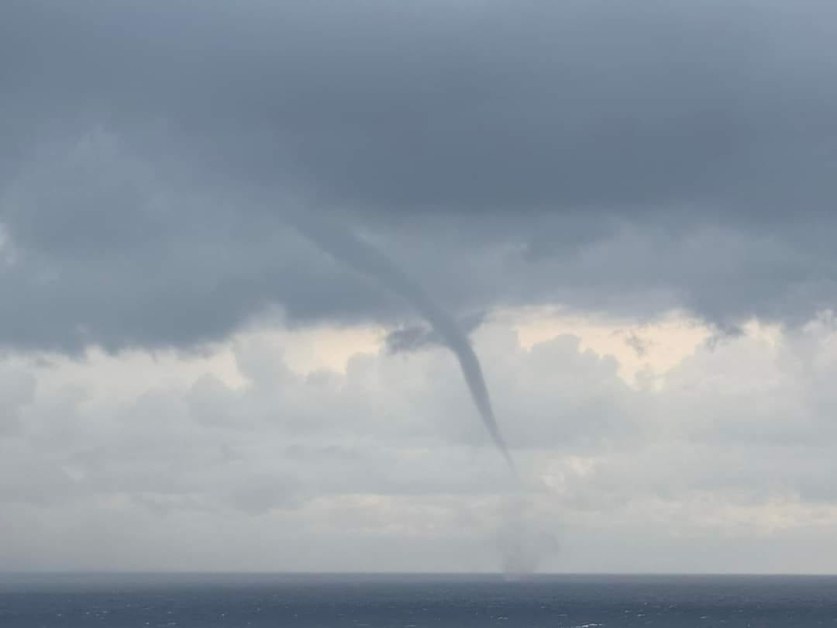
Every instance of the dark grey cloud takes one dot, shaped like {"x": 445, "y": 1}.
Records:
{"x": 601, "y": 155}
{"x": 480, "y": 105}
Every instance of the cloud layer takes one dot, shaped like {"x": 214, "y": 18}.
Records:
{"x": 725, "y": 464}
{"x": 604, "y": 157}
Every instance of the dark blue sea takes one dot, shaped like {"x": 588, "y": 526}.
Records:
{"x": 44, "y": 601}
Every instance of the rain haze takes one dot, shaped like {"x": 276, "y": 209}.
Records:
{"x": 283, "y": 283}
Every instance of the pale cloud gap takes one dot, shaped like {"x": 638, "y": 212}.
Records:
{"x": 728, "y": 451}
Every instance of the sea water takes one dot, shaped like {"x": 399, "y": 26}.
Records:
{"x": 325, "y": 601}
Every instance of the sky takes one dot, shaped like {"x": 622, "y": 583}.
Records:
{"x": 628, "y": 208}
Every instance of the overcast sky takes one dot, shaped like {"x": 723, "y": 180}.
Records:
{"x": 629, "y": 207}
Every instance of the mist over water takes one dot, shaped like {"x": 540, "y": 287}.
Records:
{"x": 524, "y": 538}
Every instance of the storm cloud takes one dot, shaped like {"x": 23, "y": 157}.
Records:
{"x": 606, "y": 157}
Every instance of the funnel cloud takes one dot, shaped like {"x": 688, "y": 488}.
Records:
{"x": 348, "y": 248}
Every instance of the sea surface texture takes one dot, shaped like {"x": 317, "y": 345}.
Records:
{"x": 415, "y": 601}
